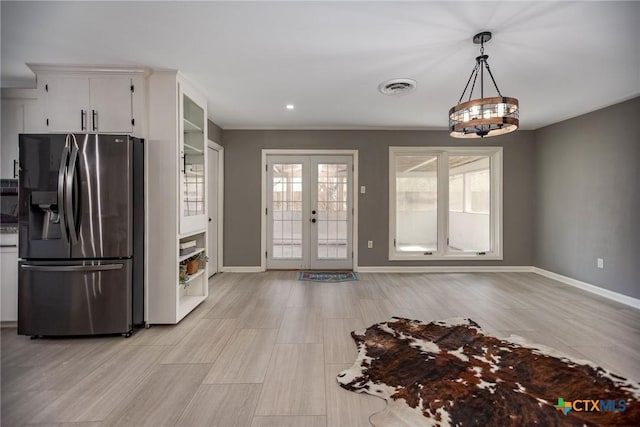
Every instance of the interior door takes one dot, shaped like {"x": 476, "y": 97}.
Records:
{"x": 212, "y": 250}
{"x": 309, "y": 212}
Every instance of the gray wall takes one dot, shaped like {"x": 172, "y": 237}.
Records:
{"x": 243, "y": 192}
{"x": 214, "y": 132}
{"x": 588, "y": 198}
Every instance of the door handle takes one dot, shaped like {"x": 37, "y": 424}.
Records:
{"x": 313, "y": 212}
{"x": 15, "y": 169}
{"x": 83, "y": 117}
{"x": 66, "y": 268}
{"x": 313, "y": 220}
{"x": 61, "y": 184}
{"x": 71, "y": 172}
{"x": 94, "y": 119}
{"x": 209, "y": 219}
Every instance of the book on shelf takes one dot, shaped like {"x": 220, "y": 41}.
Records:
{"x": 187, "y": 251}
{"x": 187, "y": 244}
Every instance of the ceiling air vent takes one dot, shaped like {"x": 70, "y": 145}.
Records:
{"x": 397, "y": 86}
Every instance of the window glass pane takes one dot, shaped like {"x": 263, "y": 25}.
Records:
{"x": 416, "y": 203}
{"x": 469, "y": 214}
{"x": 477, "y": 185}
{"x": 456, "y": 195}
{"x": 332, "y": 206}
{"x": 286, "y": 211}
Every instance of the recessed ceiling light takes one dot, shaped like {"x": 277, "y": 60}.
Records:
{"x": 290, "y": 107}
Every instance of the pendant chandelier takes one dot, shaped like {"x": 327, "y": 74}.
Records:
{"x": 480, "y": 117}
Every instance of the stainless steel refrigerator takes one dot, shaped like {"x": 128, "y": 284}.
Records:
{"x": 81, "y": 234}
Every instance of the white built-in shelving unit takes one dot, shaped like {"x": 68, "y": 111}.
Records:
{"x": 177, "y": 196}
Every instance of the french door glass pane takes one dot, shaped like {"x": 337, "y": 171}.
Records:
{"x": 416, "y": 203}
{"x": 469, "y": 204}
{"x": 332, "y": 219}
{"x": 287, "y": 211}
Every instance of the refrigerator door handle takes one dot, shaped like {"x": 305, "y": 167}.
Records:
{"x": 67, "y": 268}
{"x": 61, "y": 184}
{"x": 71, "y": 172}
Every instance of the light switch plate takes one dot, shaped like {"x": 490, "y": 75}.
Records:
{"x": 363, "y": 189}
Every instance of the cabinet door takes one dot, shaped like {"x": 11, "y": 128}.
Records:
{"x": 9, "y": 291}
{"x": 193, "y": 137}
{"x": 33, "y": 122}
{"x": 111, "y": 109}
{"x": 12, "y": 125}
{"x": 67, "y": 104}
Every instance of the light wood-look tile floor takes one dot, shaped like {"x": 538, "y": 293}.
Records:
{"x": 265, "y": 348}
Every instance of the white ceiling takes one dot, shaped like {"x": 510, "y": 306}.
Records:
{"x": 561, "y": 59}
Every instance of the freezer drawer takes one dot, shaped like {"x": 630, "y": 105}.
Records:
{"x": 81, "y": 298}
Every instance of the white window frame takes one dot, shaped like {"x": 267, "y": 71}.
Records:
{"x": 442, "y": 153}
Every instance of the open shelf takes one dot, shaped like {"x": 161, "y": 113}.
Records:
{"x": 190, "y": 149}
{"x": 193, "y": 276}
{"x": 188, "y": 303}
{"x": 190, "y": 127}
{"x": 190, "y": 254}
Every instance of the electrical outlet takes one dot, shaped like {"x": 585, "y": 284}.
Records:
{"x": 600, "y": 263}
{"x": 370, "y": 244}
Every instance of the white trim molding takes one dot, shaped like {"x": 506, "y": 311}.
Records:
{"x": 606, "y": 293}
{"x": 220, "y": 214}
{"x": 446, "y": 269}
{"x": 242, "y": 269}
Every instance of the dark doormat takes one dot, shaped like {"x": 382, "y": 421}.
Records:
{"x": 328, "y": 276}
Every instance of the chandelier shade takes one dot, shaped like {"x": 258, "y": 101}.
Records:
{"x": 480, "y": 117}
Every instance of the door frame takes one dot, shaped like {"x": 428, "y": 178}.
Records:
{"x": 307, "y": 152}
{"x": 220, "y": 149}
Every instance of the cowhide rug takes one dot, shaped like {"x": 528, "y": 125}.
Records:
{"x": 451, "y": 373}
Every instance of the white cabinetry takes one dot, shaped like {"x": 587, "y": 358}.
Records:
{"x": 19, "y": 115}
{"x": 9, "y": 269}
{"x": 177, "y": 163}
{"x": 192, "y": 137}
{"x": 85, "y": 99}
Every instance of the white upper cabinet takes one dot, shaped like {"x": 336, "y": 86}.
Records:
{"x": 12, "y": 126}
{"x": 20, "y": 114}
{"x": 111, "y": 104}
{"x": 94, "y": 104}
{"x": 91, "y": 99}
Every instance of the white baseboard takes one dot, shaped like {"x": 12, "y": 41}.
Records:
{"x": 249, "y": 269}
{"x": 446, "y": 269}
{"x": 615, "y": 296}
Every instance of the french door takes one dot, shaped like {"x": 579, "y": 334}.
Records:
{"x": 309, "y": 212}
